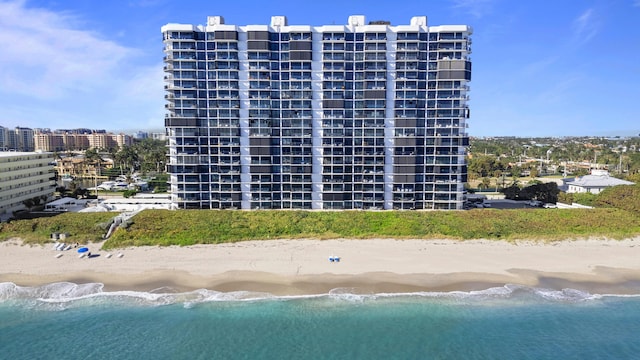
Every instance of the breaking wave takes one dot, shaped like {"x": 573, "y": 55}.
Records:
{"x": 62, "y": 295}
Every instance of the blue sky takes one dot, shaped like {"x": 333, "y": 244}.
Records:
{"x": 540, "y": 67}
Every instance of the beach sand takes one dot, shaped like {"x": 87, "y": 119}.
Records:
{"x": 297, "y": 267}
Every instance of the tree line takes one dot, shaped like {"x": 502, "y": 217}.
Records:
{"x": 513, "y": 157}
{"x": 143, "y": 156}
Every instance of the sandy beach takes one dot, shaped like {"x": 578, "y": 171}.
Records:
{"x": 296, "y": 267}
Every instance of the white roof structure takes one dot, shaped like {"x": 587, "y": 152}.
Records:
{"x": 594, "y": 183}
{"x": 15, "y": 153}
{"x": 135, "y": 203}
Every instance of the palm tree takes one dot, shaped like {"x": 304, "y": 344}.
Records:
{"x": 94, "y": 160}
{"x": 485, "y": 183}
{"x": 128, "y": 158}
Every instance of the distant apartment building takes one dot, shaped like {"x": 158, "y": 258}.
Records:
{"x": 4, "y": 138}
{"x": 108, "y": 140}
{"x": 24, "y": 139}
{"x": 18, "y": 139}
{"x": 60, "y": 142}
{"x": 159, "y": 136}
{"x": 279, "y": 116}
{"x": 80, "y": 139}
{"x": 24, "y": 176}
{"x": 139, "y": 135}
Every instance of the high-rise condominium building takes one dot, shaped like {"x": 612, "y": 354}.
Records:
{"x": 20, "y": 139}
{"x": 356, "y": 116}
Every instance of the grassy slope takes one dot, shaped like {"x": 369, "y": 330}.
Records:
{"x": 83, "y": 227}
{"x": 187, "y": 227}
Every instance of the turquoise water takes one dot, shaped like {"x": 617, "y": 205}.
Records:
{"x": 68, "y": 321}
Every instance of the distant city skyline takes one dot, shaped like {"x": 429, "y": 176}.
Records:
{"x": 539, "y": 68}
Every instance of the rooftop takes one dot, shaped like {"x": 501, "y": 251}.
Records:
{"x": 19, "y": 153}
{"x": 598, "y": 179}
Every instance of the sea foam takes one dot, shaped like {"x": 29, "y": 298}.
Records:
{"x": 68, "y": 294}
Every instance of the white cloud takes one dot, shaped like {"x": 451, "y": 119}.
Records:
{"x": 44, "y": 56}
{"x": 54, "y": 70}
{"x": 586, "y": 26}
{"x": 477, "y": 8}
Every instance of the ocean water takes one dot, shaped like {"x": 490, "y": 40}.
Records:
{"x": 69, "y": 321}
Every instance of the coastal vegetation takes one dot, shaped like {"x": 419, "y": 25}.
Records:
{"x": 82, "y": 227}
{"x": 189, "y": 227}
{"x": 625, "y": 197}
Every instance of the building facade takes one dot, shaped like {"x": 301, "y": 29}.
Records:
{"x": 18, "y": 139}
{"x": 80, "y": 139}
{"x": 24, "y": 176}
{"x": 356, "y": 116}
{"x": 4, "y": 138}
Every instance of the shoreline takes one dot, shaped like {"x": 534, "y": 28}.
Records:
{"x": 301, "y": 267}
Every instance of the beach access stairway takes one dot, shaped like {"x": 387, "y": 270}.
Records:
{"x": 122, "y": 218}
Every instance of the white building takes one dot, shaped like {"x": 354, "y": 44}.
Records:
{"x": 594, "y": 183}
{"x": 24, "y": 176}
{"x": 355, "y": 116}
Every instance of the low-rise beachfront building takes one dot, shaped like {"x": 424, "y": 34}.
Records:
{"x": 594, "y": 183}
{"x": 24, "y": 176}
{"x": 366, "y": 115}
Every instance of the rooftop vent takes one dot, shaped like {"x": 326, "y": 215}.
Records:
{"x": 380, "y": 22}
{"x": 279, "y": 21}
{"x": 215, "y": 20}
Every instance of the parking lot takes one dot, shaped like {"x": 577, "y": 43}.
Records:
{"x": 506, "y": 204}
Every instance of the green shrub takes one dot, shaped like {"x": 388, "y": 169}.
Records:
{"x": 129, "y": 193}
{"x": 188, "y": 227}
{"x": 587, "y": 199}
{"x": 625, "y": 197}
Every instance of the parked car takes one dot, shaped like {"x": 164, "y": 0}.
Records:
{"x": 534, "y": 203}
{"x": 549, "y": 206}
